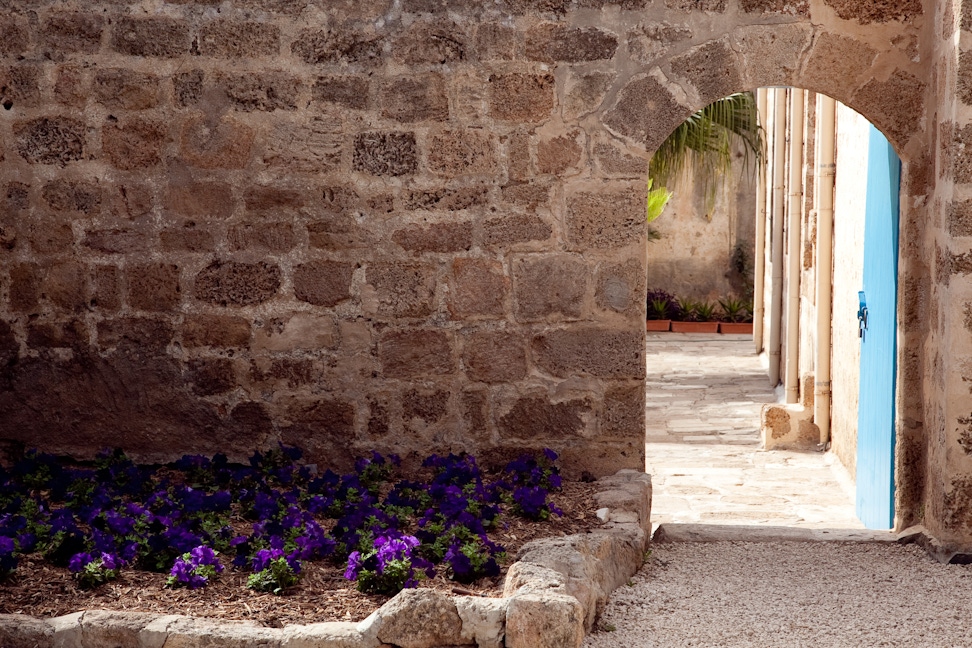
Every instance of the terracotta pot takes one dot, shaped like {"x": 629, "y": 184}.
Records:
{"x": 695, "y": 327}
{"x": 658, "y": 325}
{"x": 744, "y": 328}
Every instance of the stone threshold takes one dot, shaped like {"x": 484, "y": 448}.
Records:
{"x": 552, "y": 596}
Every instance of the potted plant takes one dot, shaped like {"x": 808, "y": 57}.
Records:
{"x": 697, "y": 317}
{"x": 662, "y": 309}
{"x": 739, "y": 315}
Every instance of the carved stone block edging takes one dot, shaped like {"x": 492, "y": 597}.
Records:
{"x": 552, "y": 597}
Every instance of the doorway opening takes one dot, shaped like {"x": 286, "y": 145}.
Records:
{"x": 822, "y": 213}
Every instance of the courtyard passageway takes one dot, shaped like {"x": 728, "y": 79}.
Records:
{"x": 704, "y": 395}
{"x": 703, "y": 399}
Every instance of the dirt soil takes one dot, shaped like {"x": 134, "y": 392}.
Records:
{"x": 41, "y": 590}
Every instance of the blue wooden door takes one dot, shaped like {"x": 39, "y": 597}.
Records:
{"x": 875, "y": 413}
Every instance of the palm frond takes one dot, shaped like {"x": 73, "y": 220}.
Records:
{"x": 704, "y": 144}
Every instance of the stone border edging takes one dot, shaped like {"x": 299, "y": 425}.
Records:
{"x": 552, "y": 596}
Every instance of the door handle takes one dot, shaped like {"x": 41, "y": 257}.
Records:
{"x": 861, "y": 315}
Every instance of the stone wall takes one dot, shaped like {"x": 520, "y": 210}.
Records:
{"x": 412, "y": 225}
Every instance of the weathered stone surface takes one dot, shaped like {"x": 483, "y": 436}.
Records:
{"x": 434, "y": 42}
{"x": 155, "y": 37}
{"x": 102, "y": 628}
{"x": 787, "y": 7}
{"x": 14, "y": 34}
{"x": 646, "y": 112}
{"x": 402, "y": 289}
{"x": 624, "y": 410}
{"x": 301, "y": 331}
{"x": 772, "y": 53}
{"x": 420, "y": 618}
{"x": 496, "y": 42}
{"x": 272, "y": 237}
{"x": 712, "y": 68}
{"x": 549, "y": 286}
{"x": 69, "y": 196}
{"x": 69, "y": 86}
{"x": 613, "y": 161}
{"x": 122, "y": 240}
{"x": 72, "y": 32}
{"x": 529, "y": 577}
{"x": 336, "y": 634}
{"x": 22, "y": 631}
{"x": 836, "y": 64}
{"x": 412, "y": 353}
{"x": 223, "y": 144}
{"x": 202, "y": 200}
{"x": 534, "y": 418}
{"x": 134, "y": 143}
{"x": 153, "y": 287}
{"x": 553, "y": 42}
{"x": 215, "y": 331}
{"x": 233, "y": 283}
{"x": 584, "y": 92}
{"x": 188, "y": 238}
{"x": 441, "y": 237}
{"x": 120, "y": 88}
{"x": 620, "y": 287}
{"x": 188, "y": 87}
{"x": 876, "y": 10}
{"x": 602, "y": 353}
{"x": 483, "y": 620}
{"x": 527, "y": 195}
{"x": 960, "y": 218}
{"x": 478, "y": 288}
{"x": 606, "y": 219}
{"x": 494, "y": 356}
{"x": 560, "y": 154}
{"x": 20, "y": 86}
{"x": 521, "y": 97}
{"x": 192, "y": 633}
{"x": 323, "y": 283}
{"x": 236, "y": 39}
{"x": 347, "y": 91}
{"x": 415, "y": 99}
{"x": 315, "y": 145}
{"x": 352, "y": 47}
{"x": 266, "y": 91}
{"x": 709, "y": 6}
{"x": 60, "y": 335}
{"x": 338, "y": 233}
{"x": 896, "y": 119}
{"x": 446, "y": 199}
{"x": 510, "y": 230}
{"x": 50, "y": 140}
{"x": 467, "y": 152}
{"x": 210, "y": 376}
{"x": 544, "y": 621}
{"x": 381, "y": 154}
{"x": 105, "y": 288}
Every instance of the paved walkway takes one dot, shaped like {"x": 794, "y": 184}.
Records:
{"x": 704, "y": 395}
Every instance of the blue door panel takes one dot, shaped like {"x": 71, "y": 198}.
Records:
{"x": 875, "y": 413}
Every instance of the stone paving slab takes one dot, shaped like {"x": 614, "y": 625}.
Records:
{"x": 704, "y": 396}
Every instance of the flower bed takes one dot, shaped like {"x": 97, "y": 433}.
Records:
{"x": 274, "y": 520}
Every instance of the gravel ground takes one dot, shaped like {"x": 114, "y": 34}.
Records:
{"x": 790, "y": 594}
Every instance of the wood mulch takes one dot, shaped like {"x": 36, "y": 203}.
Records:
{"x": 41, "y": 590}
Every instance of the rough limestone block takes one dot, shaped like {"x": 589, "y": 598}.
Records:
{"x": 21, "y": 631}
{"x": 419, "y": 618}
{"x": 100, "y": 628}
{"x": 483, "y": 620}
{"x": 67, "y": 630}
{"x": 156, "y": 632}
{"x": 527, "y": 577}
{"x": 327, "y": 635}
{"x": 544, "y": 621}
{"x": 187, "y": 632}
